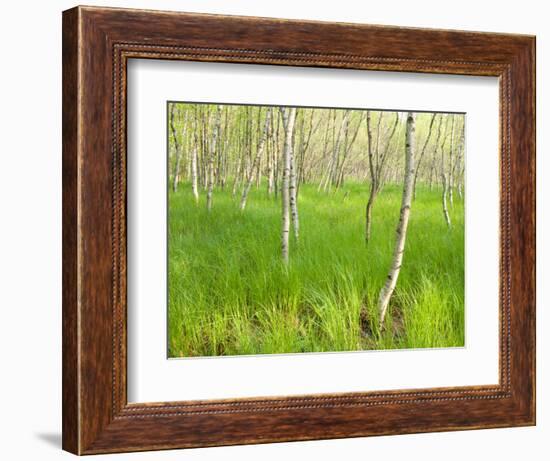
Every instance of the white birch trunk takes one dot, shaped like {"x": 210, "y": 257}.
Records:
{"x": 397, "y": 259}
{"x": 294, "y": 196}
{"x": 444, "y": 180}
{"x": 212, "y": 158}
{"x": 270, "y": 176}
{"x": 256, "y": 163}
{"x": 289, "y": 116}
{"x": 194, "y": 176}
{"x": 270, "y": 161}
{"x": 178, "y": 147}
{"x": 460, "y": 174}
{"x": 451, "y": 186}
{"x": 451, "y": 149}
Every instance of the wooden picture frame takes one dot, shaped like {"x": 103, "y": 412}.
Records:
{"x": 97, "y": 43}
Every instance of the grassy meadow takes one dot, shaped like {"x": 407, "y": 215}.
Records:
{"x": 229, "y": 292}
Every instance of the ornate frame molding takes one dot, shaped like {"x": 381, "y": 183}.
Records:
{"x": 97, "y": 43}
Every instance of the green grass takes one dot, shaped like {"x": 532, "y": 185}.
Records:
{"x": 230, "y": 294}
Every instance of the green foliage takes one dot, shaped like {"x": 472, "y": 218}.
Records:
{"x": 230, "y": 294}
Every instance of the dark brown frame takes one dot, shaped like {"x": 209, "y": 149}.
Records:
{"x": 97, "y": 43}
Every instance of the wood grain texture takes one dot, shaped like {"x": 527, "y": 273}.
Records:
{"x": 97, "y": 43}
{"x": 70, "y": 383}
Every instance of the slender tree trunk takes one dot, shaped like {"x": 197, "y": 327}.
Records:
{"x": 301, "y": 168}
{"x": 325, "y": 151}
{"x": 347, "y": 151}
{"x": 194, "y": 161}
{"x": 336, "y": 152}
{"x": 256, "y": 162}
{"x": 205, "y": 154}
{"x": 460, "y": 164}
{"x": 368, "y": 214}
{"x": 334, "y": 148}
{"x": 293, "y": 191}
{"x": 224, "y": 149}
{"x": 397, "y": 259}
{"x": 289, "y": 117}
{"x": 373, "y": 182}
{"x": 341, "y": 154}
{"x": 451, "y": 149}
{"x": 212, "y": 159}
{"x": 270, "y": 162}
{"x": 276, "y": 158}
{"x": 421, "y": 156}
{"x": 177, "y": 145}
{"x": 444, "y": 180}
{"x": 236, "y": 178}
{"x": 377, "y": 163}
{"x": 195, "y": 185}
{"x": 238, "y": 157}
{"x": 451, "y": 198}
{"x": 432, "y": 167}
{"x": 457, "y": 164}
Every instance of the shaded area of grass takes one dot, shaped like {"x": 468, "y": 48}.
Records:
{"x": 230, "y": 294}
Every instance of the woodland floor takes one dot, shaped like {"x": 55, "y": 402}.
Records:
{"x": 229, "y": 293}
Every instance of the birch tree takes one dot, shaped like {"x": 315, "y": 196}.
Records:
{"x": 458, "y": 166}
{"x": 422, "y": 152}
{"x": 328, "y": 131}
{"x": 304, "y": 143}
{"x": 289, "y": 117}
{"x": 401, "y": 233}
{"x": 254, "y": 169}
{"x": 177, "y": 145}
{"x": 233, "y": 147}
{"x": 444, "y": 183}
{"x": 377, "y": 162}
{"x": 270, "y": 161}
{"x": 194, "y": 161}
{"x": 332, "y": 171}
{"x": 276, "y": 161}
{"x": 451, "y": 160}
{"x": 348, "y": 146}
{"x": 293, "y": 190}
{"x": 212, "y": 159}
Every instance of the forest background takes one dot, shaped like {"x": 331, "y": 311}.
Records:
{"x": 289, "y": 229}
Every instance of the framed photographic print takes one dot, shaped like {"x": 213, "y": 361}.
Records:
{"x": 285, "y": 230}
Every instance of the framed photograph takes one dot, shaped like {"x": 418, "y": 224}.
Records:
{"x": 282, "y": 230}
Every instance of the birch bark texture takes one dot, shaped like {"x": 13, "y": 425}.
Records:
{"x": 293, "y": 189}
{"x": 399, "y": 250}
{"x": 212, "y": 157}
{"x": 194, "y": 162}
{"x": 289, "y": 117}
{"x": 194, "y": 176}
